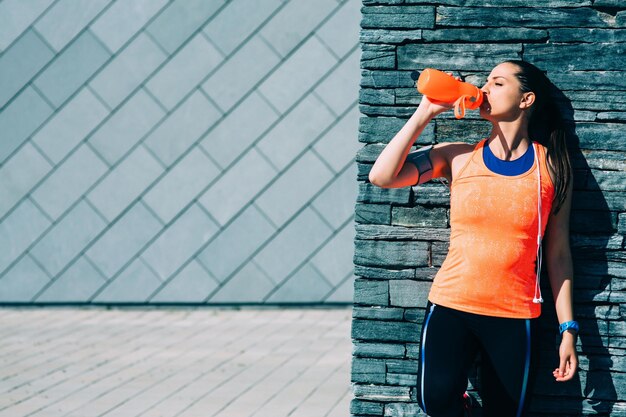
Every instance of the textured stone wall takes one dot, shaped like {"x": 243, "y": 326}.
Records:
{"x": 178, "y": 151}
{"x": 402, "y": 234}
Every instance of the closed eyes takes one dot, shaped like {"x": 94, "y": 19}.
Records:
{"x": 497, "y": 76}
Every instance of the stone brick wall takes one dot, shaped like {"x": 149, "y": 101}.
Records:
{"x": 178, "y": 151}
{"x": 402, "y": 234}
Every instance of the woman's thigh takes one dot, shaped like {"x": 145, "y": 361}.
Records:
{"x": 509, "y": 361}
{"x": 447, "y": 351}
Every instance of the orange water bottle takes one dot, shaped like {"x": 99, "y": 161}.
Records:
{"x": 440, "y": 86}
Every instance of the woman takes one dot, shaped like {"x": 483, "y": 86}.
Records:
{"x": 486, "y": 296}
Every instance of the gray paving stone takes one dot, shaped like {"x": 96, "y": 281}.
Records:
{"x": 16, "y": 16}
{"x": 334, "y": 260}
{"x": 76, "y": 285}
{"x": 19, "y": 174}
{"x": 126, "y": 127}
{"x": 249, "y": 284}
{"x": 244, "y": 69}
{"x": 68, "y": 183}
{"x": 294, "y": 22}
{"x": 123, "y": 19}
{"x": 162, "y": 361}
{"x": 340, "y": 90}
{"x": 71, "y": 68}
{"x": 298, "y": 239}
{"x": 236, "y": 243}
{"x": 182, "y": 127}
{"x": 123, "y": 239}
{"x": 65, "y": 19}
{"x": 296, "y": 131}
{"x": 179, "y": 20}
{"x": 287, "y": 194}
{"x": 134, "y": 284}
{"x": 22, "y": 281}
{"x": 25, "y": 224}
{"x": 306, "y": 285}
{"x": 70, "y": 125}
{"x": 184, "y": 71}
{"x": 20, "y": 63}
{"x": 297, "y": 74}
{"x": 341, "y": 32}
{"x": 20, "y": 119}
{"x": 177, "y": 290}
{"x": 238, "y": 20}
{"x": 125, "y": 183}
{"x": 249, "y": 120}
{"x": 181, "y": 185}
{"x": 67, "y": 238}
{"x": 179, "y": 242}
{"x": 336, "y": 203}
{"x": 339, "y": 145}
{"x": 128, "y": 69}
{"x": 247, "y": 177}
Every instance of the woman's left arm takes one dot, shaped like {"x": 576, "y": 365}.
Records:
{"x": 561, "y": 274}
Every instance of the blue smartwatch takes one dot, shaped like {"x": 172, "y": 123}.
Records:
{"x": 568, "y": 325}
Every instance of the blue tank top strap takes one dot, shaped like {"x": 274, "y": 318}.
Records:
{"x": 515, "y": 167}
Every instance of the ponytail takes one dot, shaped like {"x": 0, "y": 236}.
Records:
{"x": 546, "y": 126}
{"x": 558, "y": 155}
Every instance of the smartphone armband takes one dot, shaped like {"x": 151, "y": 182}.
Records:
{"x": 421, "y": 159}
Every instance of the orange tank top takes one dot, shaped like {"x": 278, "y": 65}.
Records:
{"x": 490, "y": 268}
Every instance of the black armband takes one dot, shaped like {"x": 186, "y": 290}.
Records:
{"x": 421, "y": 159}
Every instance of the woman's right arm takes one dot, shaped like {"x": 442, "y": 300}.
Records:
{"x": 390, "y": 169}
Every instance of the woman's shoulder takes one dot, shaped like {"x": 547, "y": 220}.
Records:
{"x": 455, "y": 148}
{"x": 451, "y": 150}
{"x": 456, "y": 155}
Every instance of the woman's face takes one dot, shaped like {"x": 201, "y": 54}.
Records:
{"x": 503, "y": 99}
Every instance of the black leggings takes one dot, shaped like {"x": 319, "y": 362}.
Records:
{"x": 450, "y": 341}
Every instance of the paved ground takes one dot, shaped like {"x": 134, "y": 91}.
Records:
{"x": 174, "y": 362}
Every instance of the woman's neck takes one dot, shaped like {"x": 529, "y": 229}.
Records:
{"x": 509, "y": 140}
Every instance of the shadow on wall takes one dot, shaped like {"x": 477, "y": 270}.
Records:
{"x": 592, "y": 225}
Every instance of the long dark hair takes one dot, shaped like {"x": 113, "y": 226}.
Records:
{"x": 546, "y": 125}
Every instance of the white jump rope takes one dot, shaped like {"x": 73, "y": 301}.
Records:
{"x": 539, "y": 237}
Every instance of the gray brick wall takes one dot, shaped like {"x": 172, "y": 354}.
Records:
{"x": 403, "y": 234}
{"x": 184, "y": 151}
